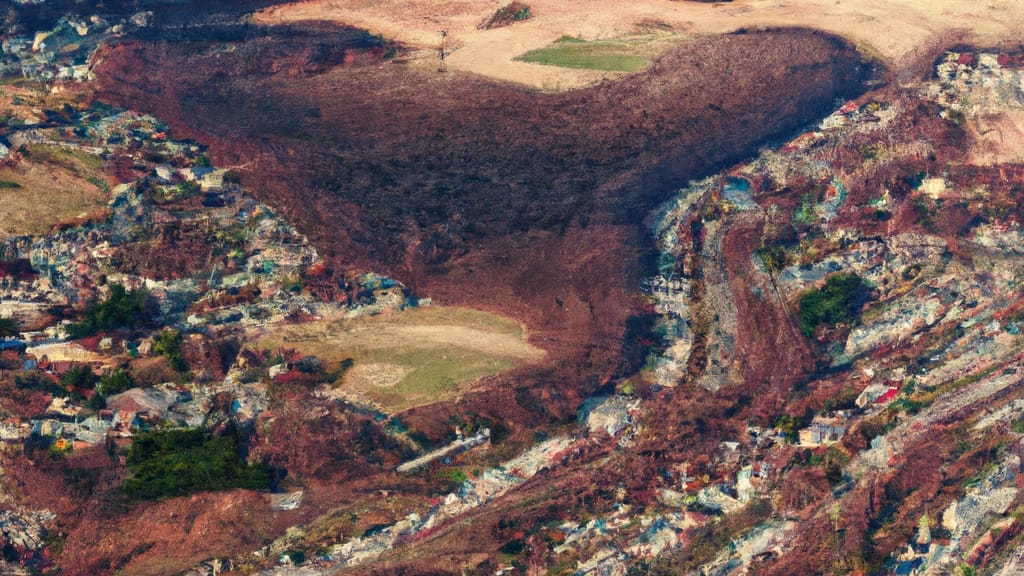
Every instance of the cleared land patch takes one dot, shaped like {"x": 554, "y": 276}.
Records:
{"x": 43, "y": 191}
{"x": 900, "y": 31}
{"x": 412, "y": 358}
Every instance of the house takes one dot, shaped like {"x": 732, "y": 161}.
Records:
{"x": 51, "y": 428}
{"x": 195, "y": 173}
{"x": 824, "y": 430}
{"x": 62, "y": 408}
{"x": 761, "y": 470}
{"x": 17, "y": 345}
{"x": 10, "y": 432}
{"x": 165, "y": 172}
{"x": 909, "y": 567}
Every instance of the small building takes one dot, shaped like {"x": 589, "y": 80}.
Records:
{"x": 824, "y": 430}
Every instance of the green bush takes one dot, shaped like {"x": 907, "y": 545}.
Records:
{"x": 513, "y": 12}
{"x": 774, "y": 257}
{"x": 110, "y": 384}
{"x": 837, "y": 302}
{"x": 168, "y": 345}
{"x": 789, "y": 425}
{"x": 123, "y": 309}
{"x": 39, "y": 382}
{"x": 79, "y": 376}
{"x": 8, "y": 327}
{"x": 182, "y": 462}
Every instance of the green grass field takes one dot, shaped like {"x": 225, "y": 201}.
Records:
{"x": 412, "y": 358}
{"x": 434, "y": 374}
{"x": 618, "y": 55}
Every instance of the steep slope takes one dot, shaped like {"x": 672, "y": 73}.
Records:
{"x": 478, "y": 193}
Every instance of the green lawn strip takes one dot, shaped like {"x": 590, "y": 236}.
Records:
{"x": 607, "y": 55}
{"x": 434, "y": 374}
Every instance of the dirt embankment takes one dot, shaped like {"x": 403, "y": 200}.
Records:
{"x": 477, "y": 193}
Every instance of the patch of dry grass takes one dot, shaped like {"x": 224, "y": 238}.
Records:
{"x": 39, "y": 193}
{"x": 412, "y": 358}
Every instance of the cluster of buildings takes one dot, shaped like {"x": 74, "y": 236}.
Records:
{"x": 62, "y": 52}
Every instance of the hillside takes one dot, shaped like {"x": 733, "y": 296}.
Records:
{"x": 282, "y": 292}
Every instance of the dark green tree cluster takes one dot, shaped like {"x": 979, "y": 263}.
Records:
{"x": 8, "y": 327}
{"x": 513, "y": 12}
{"x": 837, "y": 302}
{"x": 168, "y": 345}
{"x": 114, "y": 383}
{"x": 79, "y": 377}
{"x": 182, "y": 462}
{"x": 123, "y": 309}
{"x": 39, "y": 381}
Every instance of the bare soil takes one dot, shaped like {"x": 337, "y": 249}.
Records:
{"x": 900, "y": 31}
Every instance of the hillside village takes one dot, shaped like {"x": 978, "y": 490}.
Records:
{"x": 919, "y": 356}
{"x": 213, "y": 264}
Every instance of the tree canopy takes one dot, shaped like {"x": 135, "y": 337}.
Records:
{"x": 837, "y": 302}
{"x": 122, "y": 309}
{"x": 182, "y": 462}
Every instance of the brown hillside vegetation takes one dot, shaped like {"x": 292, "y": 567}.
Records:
{"x": 476, "y": 193}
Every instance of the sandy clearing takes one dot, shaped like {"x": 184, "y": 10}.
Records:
{"x": 46, "y": 196}
{"x": 1000, "y": 138}
{"x": 898, "y": 31}
{"x": 379, "y": 375}
{"x": 377, "y": 336}
{"x": 490, "y": 343}
{"x": 412, "y": 358}
{"x": 66, "y": 352}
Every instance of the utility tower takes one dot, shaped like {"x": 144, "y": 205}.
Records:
{"x": 443, "y": 51}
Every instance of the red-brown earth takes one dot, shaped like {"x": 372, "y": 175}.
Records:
{"x": 473, "y": 193}
{"x": 477, "y": 193}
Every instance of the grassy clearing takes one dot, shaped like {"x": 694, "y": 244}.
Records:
{"x": 618, "y": 55}
{"x": 434, "y": 374}
{"x": 413, "y": 358}
{"x": 81, "y": 163}
{"x": 36, "y": 195}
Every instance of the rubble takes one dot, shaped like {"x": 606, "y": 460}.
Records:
{"x": 24, "y": 531}
{"x": 290, "y": 501}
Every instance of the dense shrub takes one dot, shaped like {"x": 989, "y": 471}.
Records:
{"x": 37, "y": 381}
{"x": 513, "y": 12}
{"x": 79, "y": 377}
{"x": 8, "y": 327}
{"x": 110, "y": 384}
{"x": 123, "y": 309}
{"x": 837, "y": 302}
{"x": 182, "y": 462}
{"x": 168, "y": 345}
